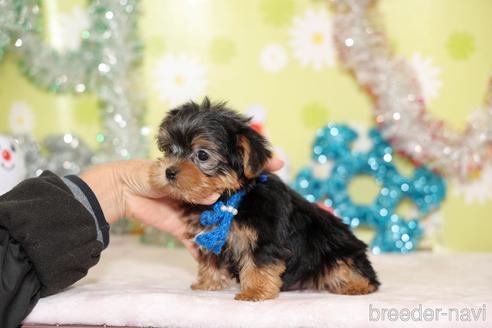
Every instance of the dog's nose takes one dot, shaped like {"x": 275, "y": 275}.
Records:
{"x": 171, "y": 173}
{"x": 6, "y": 155}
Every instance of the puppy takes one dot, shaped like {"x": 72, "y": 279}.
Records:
{"x": 277, "y": 240}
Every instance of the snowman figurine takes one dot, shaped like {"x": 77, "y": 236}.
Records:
{"x": 12, "y": 164}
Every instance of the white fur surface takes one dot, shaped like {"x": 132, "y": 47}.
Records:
{"x": 139, "y": 285}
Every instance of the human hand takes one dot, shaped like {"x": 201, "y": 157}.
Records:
{"x": 123, "y": 189}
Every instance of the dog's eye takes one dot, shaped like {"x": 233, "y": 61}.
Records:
{"x": 202, "y": 155}
{"x": 12, "y": 147}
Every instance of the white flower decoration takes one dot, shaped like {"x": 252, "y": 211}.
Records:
{"x": 21, "y": 118}
{"x": 179, "y": 79}
{"x": 476, "y": 191}
{"x": 311, "y": 39}
{"x": 70, "y": 26}
{"x": 273, "y": 58}
{"x": 427, "y": 75}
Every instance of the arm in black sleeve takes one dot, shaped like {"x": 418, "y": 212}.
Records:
{"x": 52, "y": 230}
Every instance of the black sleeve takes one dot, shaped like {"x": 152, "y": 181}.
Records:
{"x": 49, "y": 239}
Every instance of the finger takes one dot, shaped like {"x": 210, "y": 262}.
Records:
{"x": 274, "y": 164}
{"x": 209, "y": 200}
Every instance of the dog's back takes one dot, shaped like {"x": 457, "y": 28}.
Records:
{"x": 317, "y": 249}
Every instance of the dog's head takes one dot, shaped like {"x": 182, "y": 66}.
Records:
{"x": 208, "y": 148}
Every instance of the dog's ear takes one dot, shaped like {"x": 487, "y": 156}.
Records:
{"x": 256, "y": 152}
{"x": 162, "y": 138}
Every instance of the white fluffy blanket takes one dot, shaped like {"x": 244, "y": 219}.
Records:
{"x": 138, "y": 285}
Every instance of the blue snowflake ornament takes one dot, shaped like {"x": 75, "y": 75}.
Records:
{"x": 333, "y": 144}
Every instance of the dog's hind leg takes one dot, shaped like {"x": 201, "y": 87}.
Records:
{"x": 345, "y": 278}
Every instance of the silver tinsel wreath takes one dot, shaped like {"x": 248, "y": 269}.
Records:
{"x": 105, "y": 64}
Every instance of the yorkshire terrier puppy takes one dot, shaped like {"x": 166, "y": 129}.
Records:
{"x": 277, "y": 240}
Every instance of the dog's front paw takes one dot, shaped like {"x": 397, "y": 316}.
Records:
{"x": 252, "y": 296}
{"x": 201, "y": 285}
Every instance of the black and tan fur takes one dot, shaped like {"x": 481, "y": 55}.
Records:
{"x": 278, "y": 240}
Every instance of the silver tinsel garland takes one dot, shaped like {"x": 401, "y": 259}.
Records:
{"x": 68, "y": 154}
{"x": 399, "y": 106}
{"x": 105, "y": 64}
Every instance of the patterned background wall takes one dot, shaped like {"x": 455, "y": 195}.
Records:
{"x": 275, "y": 59}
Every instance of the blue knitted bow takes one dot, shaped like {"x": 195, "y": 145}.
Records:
{"x": 221, "y": 215}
